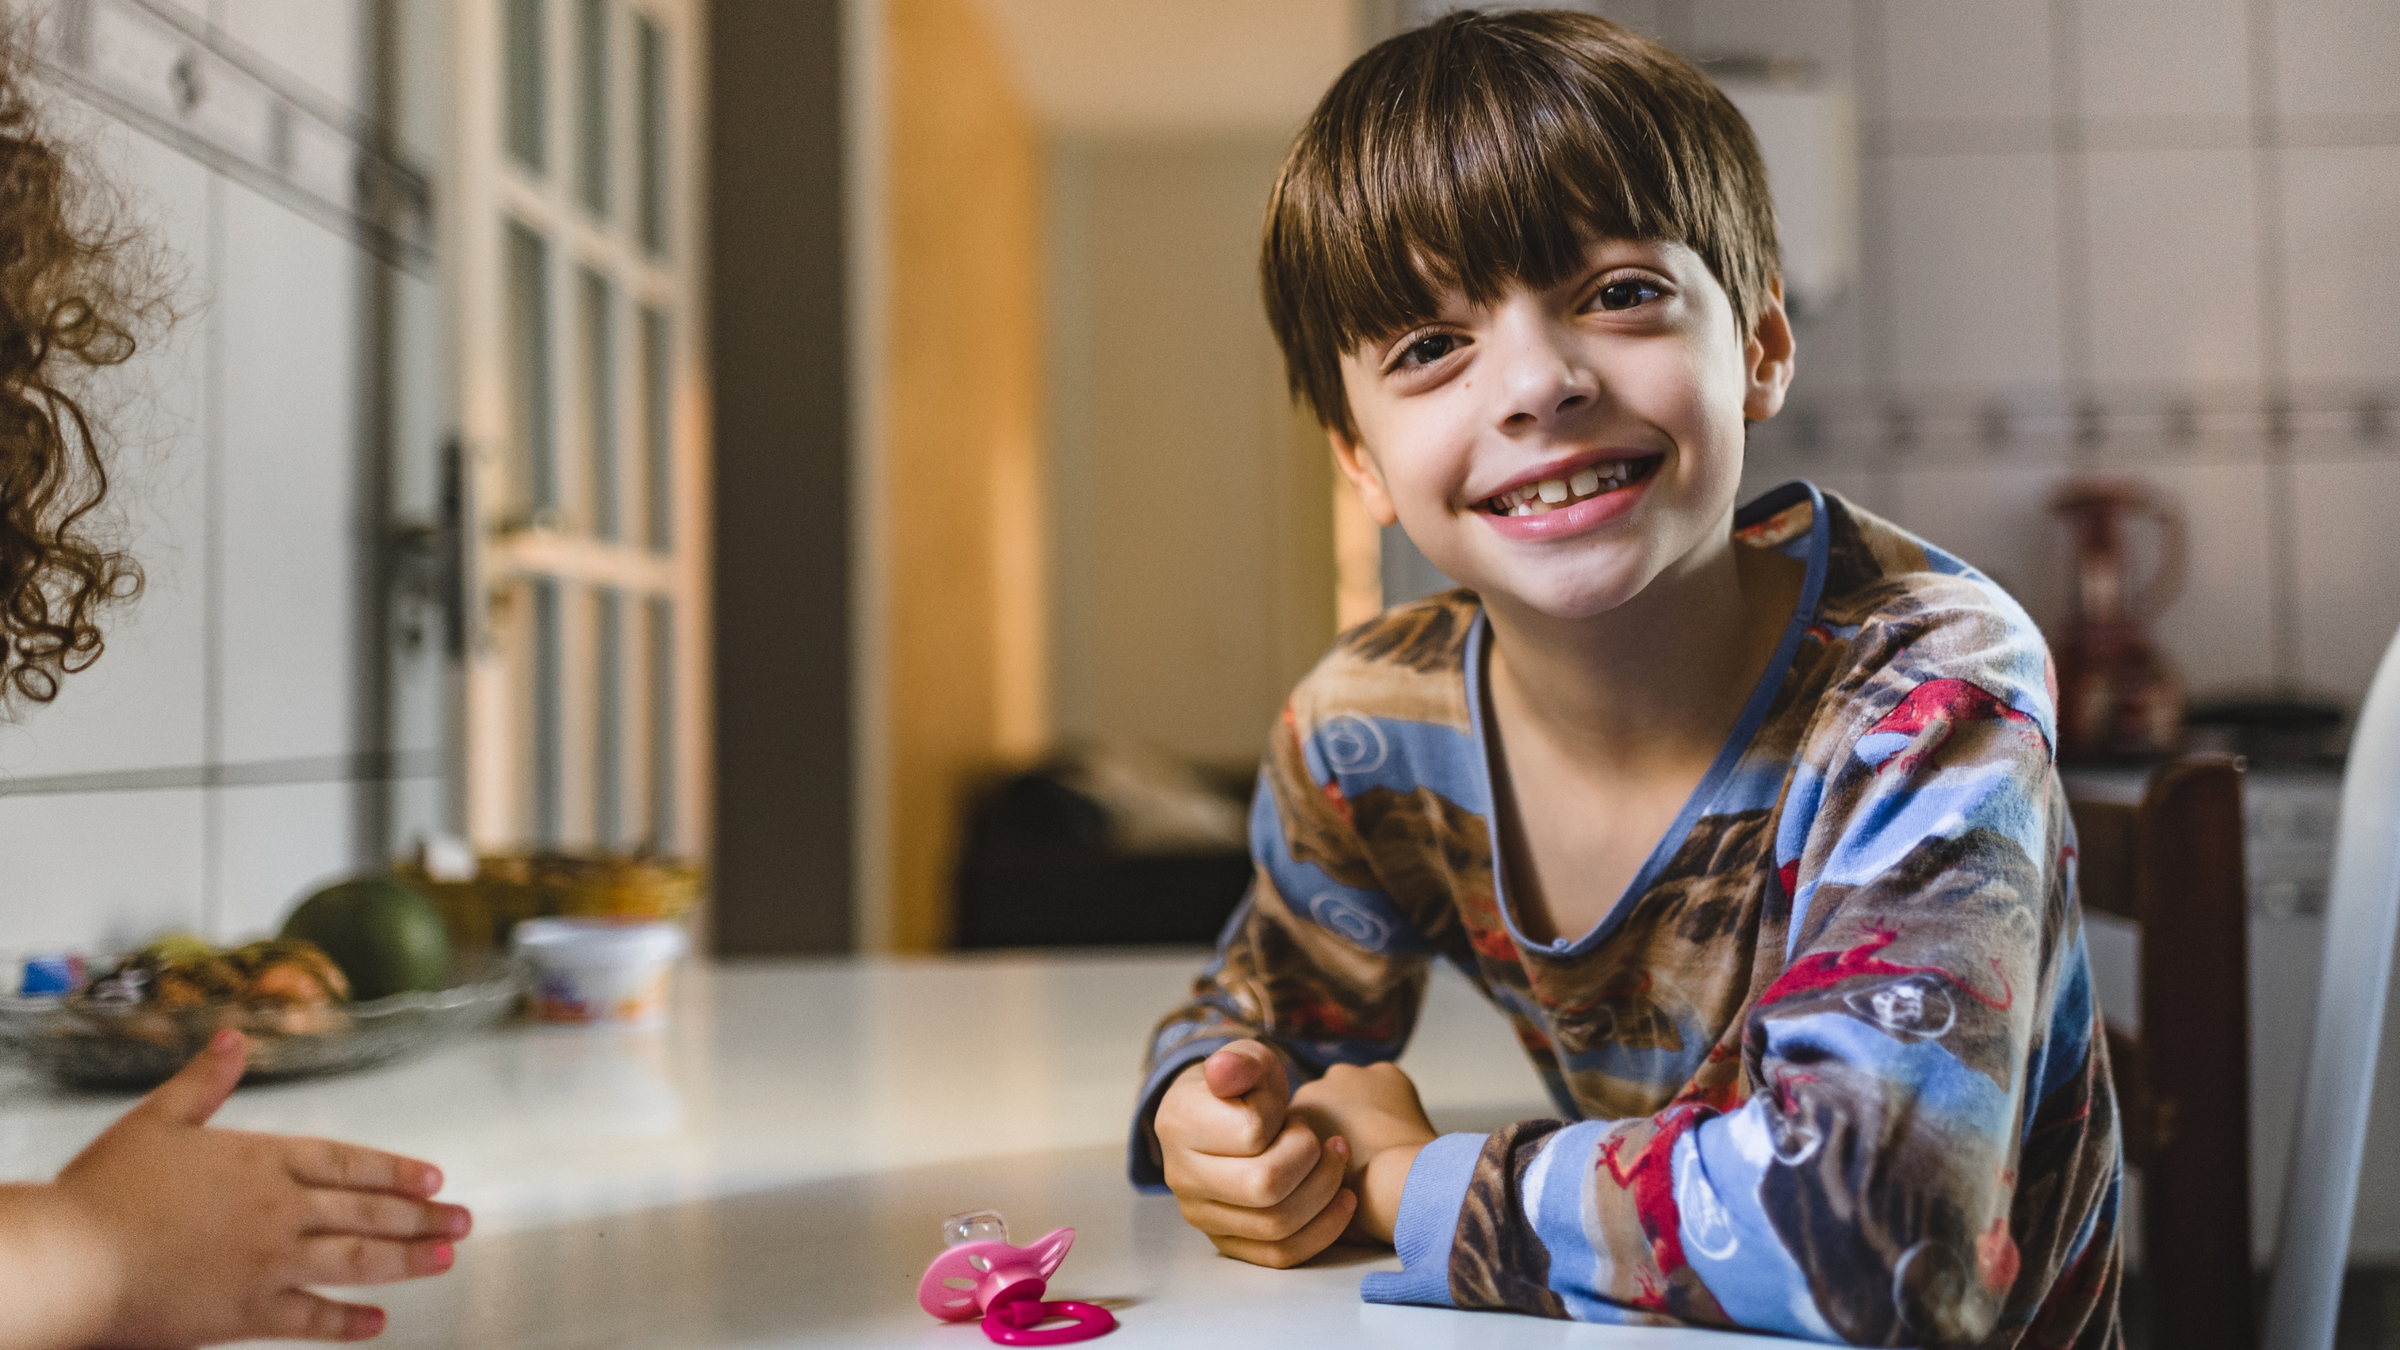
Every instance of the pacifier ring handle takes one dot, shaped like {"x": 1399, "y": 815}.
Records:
{"x": 1019, "y": 1322}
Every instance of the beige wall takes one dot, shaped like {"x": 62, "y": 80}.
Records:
{"x": 959, "y": 502}
{"x": 1192, "y": 544}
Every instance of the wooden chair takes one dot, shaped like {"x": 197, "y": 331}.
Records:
{"x": 2173, "y": 864}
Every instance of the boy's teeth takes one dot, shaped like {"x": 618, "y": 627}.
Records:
{"x": 1553, "y": 492}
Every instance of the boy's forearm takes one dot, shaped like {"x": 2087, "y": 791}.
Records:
{"x": 58, "y": 1268}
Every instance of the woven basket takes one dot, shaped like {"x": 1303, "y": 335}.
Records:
{"x": 510, "y": 888}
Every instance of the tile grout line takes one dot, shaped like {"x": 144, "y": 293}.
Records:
{"x": 1875, "y": 290}
{"x": 2071, "y": 219}
{"x": 212, "y": 473}
{"x": 2274, "y": 342}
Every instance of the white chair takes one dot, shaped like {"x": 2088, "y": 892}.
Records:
{"x": 2361, "y": 913}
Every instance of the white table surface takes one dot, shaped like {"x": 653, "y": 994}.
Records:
{"x": 768, "y": 1170}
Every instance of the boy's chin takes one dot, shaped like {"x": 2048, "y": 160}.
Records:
{"x": 1565, "y": 599}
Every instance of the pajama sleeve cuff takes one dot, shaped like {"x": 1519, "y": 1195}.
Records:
{"x": 1141, "y": 1151}
{"x": 1428, "y": 1223}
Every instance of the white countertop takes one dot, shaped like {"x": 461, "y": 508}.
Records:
{"x": 769, "y": 1168}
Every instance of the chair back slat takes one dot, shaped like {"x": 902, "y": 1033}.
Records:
{"x": 2104, "y": 856}
{"x": 2191, "y": 899}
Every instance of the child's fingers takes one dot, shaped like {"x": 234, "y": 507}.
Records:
{"x": 1320, "y": 1233}
{"x": 296, "y": 1314}
{"x": 323, "y": 1162}
{"x": 363, "y": 1260}
{"x": 201, "y": 1086}
{"x": 1250, "y": 1181}
{"x": 334, "y": 1212}
{"x": 1274, "y": 1222}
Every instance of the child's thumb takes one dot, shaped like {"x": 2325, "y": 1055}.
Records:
{"x": 1239, "y": 1067}
{"x": 200, "y": 1087}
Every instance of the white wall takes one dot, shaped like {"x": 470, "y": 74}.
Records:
{"x": 1191, "y": 506}
{"x": 210, "y": 770}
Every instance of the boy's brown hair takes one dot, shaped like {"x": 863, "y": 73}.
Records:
{"x": 1486, "y": 148}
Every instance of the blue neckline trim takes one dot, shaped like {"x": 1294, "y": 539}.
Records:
{"x": 1737, "y": 742}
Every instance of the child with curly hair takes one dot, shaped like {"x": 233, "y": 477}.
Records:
{"x": 163, "y": 1232}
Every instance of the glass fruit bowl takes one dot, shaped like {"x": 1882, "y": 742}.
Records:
{"x": 93, "y": 1044}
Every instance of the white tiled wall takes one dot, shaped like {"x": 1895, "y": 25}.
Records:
{"x": 2149, "y": 238}
{"x": 2110, "y": 236}
{"x": 207, "y": 772}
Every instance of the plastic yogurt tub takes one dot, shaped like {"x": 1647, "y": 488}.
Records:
{"x": 592, "y": 971}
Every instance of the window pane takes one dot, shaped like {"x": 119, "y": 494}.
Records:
{"x": 662, "y": 724}
{"x": 598, "y": 341}
{"x": 651, "y": 54}
{"x": 535, "y": 448}
{"x": 592, "y": 103}
{"x": 525, "y": 65}
{"x": 548, "y": 743}
{"x": 658, "y": 407}
{"x": 608, "y": 738}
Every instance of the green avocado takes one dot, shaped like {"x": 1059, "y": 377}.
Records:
{"x": 387, "y": 937}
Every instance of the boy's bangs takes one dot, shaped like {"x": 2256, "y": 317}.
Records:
{"x": 1482, "y": 151}
{"x": 1473, "y": 187}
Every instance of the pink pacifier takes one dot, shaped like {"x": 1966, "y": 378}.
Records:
{"x": 981, "y": 1275}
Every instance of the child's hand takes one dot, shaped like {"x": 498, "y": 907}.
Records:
{"x": 1264, "y": 1189}
{"x": 1376, "y": 1109}
{"x": 212, "y": 1235}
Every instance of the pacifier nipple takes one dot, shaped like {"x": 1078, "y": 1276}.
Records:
{"x": 976, "y": 1225}
{"x": 981, "y": 1275}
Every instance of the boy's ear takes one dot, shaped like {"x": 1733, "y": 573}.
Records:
{"x": 1365, "y": 476}
{"x": 1767, "y": 360}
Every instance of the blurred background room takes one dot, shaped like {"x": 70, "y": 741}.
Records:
{"x": 838, "y": 443}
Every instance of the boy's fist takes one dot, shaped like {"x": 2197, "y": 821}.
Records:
{"x": 1262, "y": 1186}
{"x": 1375, "y": 1107}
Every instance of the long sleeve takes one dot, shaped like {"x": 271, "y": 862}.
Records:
{"x": 1326, "y": 959}
{"x": 1929, "y": 1041}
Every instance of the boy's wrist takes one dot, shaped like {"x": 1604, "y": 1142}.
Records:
{"x": 73, "y": 1282}
{"x": 1381, "y": 1187}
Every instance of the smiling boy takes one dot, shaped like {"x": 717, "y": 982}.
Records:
{"x": 1745, "y": 817}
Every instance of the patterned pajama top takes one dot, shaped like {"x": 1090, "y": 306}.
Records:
{"x": 1831, "y": 1065}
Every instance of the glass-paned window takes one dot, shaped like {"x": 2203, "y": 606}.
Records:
{"x": 608, "y": 708}
{"x": 598, "y": 340}
{"x": 524, "y": 63}
{"x": 591, "y": 101}
{"x": 549, "y": 699}
{"x": 576, "y": 342}
{"x": 650, "y": 53}
{"x": 531, "y": 426}
{"x": 662, "y": 723}
{"x": 658, "y": 442}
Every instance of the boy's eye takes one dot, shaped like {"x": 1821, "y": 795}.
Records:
{"x": 1627, "y": 293}
{"x": 1426, "y": 350}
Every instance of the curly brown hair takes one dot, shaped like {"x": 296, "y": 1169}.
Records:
{"x": 70, "y": 302}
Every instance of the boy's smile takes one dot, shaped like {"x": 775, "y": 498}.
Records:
{"x": 1562, "y": 448}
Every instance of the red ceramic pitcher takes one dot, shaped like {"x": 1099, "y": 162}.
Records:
{"x": 2118, "y": 697}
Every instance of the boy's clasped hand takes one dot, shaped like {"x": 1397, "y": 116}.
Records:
{"x": 1274, "y": 1177}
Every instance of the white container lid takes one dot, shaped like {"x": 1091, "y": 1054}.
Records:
{"x": 576, "y": 942}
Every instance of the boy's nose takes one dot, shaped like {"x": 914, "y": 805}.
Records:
{"x": 1542, "y": 376}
